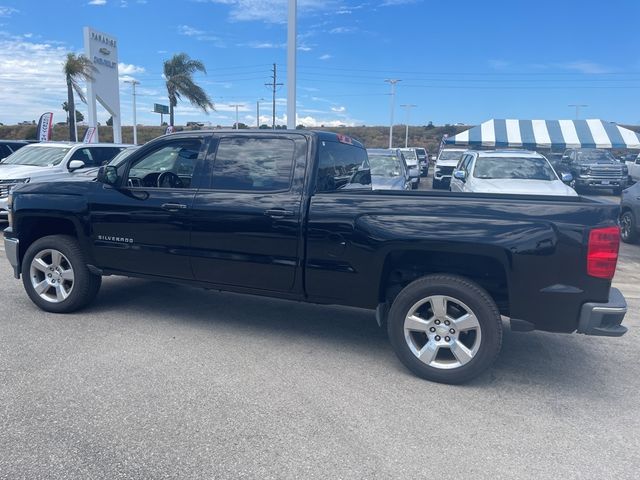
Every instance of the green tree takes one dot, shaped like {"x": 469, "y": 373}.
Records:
{"x": 79, "y": 115}
{"x": 178, "y": 73}
{"x": 77, "y": 68}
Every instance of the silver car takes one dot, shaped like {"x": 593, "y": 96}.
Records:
{"x": 388, "y": 171}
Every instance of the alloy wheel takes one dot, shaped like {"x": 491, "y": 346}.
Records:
{"x": 442, "y": 332}
{"x": 52, "y": 276}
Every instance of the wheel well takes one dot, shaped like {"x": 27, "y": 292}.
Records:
{"x": 402, "y": 268}
{"x": 33, "y": 228}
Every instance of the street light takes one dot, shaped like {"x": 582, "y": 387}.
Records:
{"x": 236, "y": 105}
{"x": 133, "y": 83}
{"x": 408, "y": 106}
{"x": 291, "y": 65}
{"x": 392, "y": 82}
{"x": 578, "y": 107}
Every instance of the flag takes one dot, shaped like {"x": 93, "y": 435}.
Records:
{"x": 89, "y": 135}
{"x": 45, "y": 127}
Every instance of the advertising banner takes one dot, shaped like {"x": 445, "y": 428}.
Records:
{"x": 45, "y": 127}
{"x": 90, "y": 135}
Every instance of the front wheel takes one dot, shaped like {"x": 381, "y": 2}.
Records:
{"x": 56, "y": 277}
{"x": 445, "y": 328}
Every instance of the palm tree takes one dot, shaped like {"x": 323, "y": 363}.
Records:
{"x": 178, "y": 73}
{"x": 77, "y": 68}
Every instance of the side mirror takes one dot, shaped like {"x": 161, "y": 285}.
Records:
{"x": 75, "y": 165}
{"x": 414, "y": 172}
{"x": 433, "y": 158}
{"x": 460, "y": 175}
{"x": 107, "y": 175}
{"x": 565, "y": 159}
{"x": 566, "y": 178}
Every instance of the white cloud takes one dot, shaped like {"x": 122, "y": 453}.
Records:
{"x": 129, "y": 69}
{"x": 202, "y": 35}
{"x": 583, "y": 66}
{"x": 393, "y": 3}
{"x": 338, "y": 30}
{"x": 261, "y": 45}
{"x": 7, "y": 11}
{"x": 274, "y": 11}
{"x": 97, "y": 2}
{"x": 338, "y": 109}
{"x": 326, "y": 56}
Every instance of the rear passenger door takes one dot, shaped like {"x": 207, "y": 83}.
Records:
{"x": 247, "y": 221}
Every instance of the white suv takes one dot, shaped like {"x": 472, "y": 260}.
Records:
{"x": 445, "y": 165}
{"x": 509, "y": 171}
{"x": 51, "y": 161}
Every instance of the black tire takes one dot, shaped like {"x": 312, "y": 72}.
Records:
{"x": 628, "y": 227}
{"x": 437, "y": 184}
{"x": 414, "y": 186}
{"x": 480, "y": 303}
{"x": 86, "y": 285}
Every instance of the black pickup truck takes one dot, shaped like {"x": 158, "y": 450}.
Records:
{"x": 291, "y": 214}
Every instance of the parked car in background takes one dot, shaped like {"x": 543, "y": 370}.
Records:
{"x": 51, "y": 161}
{"x": 446, "y": 162}
{"x": 388, "y": 169}
{"x": 7, "y": 147}
{"x": 423, "y": 161}
{"x": 595, "y": 168}
{"x": 627, "y": 157}
{"x": 508, "y": 171}
{"x": 633, "y": 167}
{"x": 630, "y": 214}
{"x": 411, "y": 157}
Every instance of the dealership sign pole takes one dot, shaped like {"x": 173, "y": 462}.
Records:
{"x": 102, "y": 50}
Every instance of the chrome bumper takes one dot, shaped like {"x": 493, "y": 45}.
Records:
{"x": 604, "y": 319}
{"x": 12, "y": 251}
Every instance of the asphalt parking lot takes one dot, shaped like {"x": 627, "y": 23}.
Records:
{"x": 163, "y": 381}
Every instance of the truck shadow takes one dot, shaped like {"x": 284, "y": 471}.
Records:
{"x": 568, "y": 364}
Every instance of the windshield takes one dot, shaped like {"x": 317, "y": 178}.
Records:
{"x": 119, "y": 158}
{"x": 450, "y": 155}
{"x": 37, "y": 156}
{"x": 520, "y": 168}
{"x": 595, "y": 156}
{"x": 385, "y": 166}
{"x": 421, "y": 152}
{"x": 409, "y": 155}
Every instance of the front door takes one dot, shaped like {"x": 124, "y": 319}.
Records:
{"x": 247, "y": 222}
{"x": 144, "y": 226}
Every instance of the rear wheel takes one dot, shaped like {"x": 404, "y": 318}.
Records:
{"x": 437, "y": 184}
{"x": 56, "y": 277}
{"x": 628, "y": 227}
{"x": 445, "y": 328}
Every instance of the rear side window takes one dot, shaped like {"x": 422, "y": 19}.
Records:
{"x": 342, "y": 167}
{"x": 103, "y": 155}
{"x": 253, "y": 164}
{"x": 5, "y": 151}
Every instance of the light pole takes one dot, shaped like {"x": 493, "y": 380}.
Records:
{"x": 392, "y": 82}
{"x": 258, "y": 112}
{"x": 578, "y": 107}
{"x": 237, "y": 105}
{"x": 291, "y": 65}
{"x": 133, "y": 83}
{"x": 408, "y": 106}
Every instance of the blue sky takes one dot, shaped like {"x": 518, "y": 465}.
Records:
{"x": 464, "y": 61}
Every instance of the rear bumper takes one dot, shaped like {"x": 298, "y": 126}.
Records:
{"x": 11, "y": 249}
{"x": 604, "y": 319}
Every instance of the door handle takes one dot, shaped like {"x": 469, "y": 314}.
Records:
{"x": 174, "y": 207}
{"x": 278, "y": 213}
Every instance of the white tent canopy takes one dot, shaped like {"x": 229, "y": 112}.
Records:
{"x": 557, "y": 134}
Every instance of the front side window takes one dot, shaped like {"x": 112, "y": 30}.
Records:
{"x": 38, "y": 156}
{"x": 342, "y": 166}
{"x": 169, "y": 166}
{"x": 253, "y": 164}
{"x": 84, "y": 155}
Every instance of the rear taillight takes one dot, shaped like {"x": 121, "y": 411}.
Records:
{"x": 602, "y": 255}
